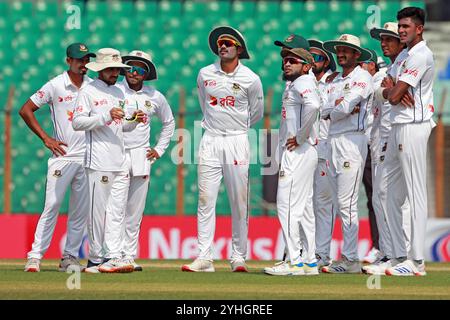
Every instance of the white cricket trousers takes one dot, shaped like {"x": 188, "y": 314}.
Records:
{"x": 323, "y": 209}
{"x": 406, "y": 175}
{"x": 60, "y": 175}
{"x": 226, "y": 156}
{"x": 295, "y": 202}
{"x": 108, "y": 193}
{"x": 137, "y": 195}
{"x": 348, "y": 158}
{"x": 379, "y": 203}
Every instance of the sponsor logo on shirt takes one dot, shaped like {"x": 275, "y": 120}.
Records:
{"x": 283, "y": 112}
{"x": 360, "y": 84}
{"x": 240, "y": 163}
{"x": 70, "y": 115}
{"x": 40, "y": 94}
{"x": 431, "y": 107}
{"x": 305, "y": 92}
{"x": 412, "y": 72}
{"x": 100, "y": 102}
{"x": 228, "y": 101}
{"x": 209, "y": 83}
{"x": 69, "y": 98}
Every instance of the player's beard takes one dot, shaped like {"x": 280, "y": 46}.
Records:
{"x": 291, "y": 77}
{"x": 317, "y": 71}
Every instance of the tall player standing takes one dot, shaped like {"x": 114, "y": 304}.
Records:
{"x": 406, "y": 156}
{"x": 65, "y": 168}
{"x": 231, "y": 99}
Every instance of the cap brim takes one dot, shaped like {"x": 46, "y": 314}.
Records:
{"x": 217, "y": 32}
{"x": 282, "y": 44}
{"x": 331, "y": 46}
{"x": 376, "y": 33}
{"x": 152, "y": 74}
{"x": 319, "y": 45}
{"x": 95, "y": 66}
{"x": 82, "y": 55}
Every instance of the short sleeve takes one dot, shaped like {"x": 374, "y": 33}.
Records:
{"x": 43, "y": 96}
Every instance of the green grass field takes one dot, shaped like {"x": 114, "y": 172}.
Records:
{"x": 164, "y": 280}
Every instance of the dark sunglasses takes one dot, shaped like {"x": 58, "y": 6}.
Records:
{"x": 318, "y": 57}
{"x": 292, "y": 60}
{"x": 227, "y": 42}
{"x": 140, "y": 71}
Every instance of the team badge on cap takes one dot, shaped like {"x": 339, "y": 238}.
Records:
{"x": 57, "y": 173}
{"x": 104, "y": 179}
{"x": 83, "y": 48}
{"x": 290, "y": 38}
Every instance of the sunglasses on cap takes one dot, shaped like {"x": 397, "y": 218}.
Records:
{"x": 140, "y": 71}
{"x": 318, "y": 57}
{"x": 228, "y": 43}
{"x": 293, "y": 60}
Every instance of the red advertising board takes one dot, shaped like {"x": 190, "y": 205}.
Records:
{"x": 170, "y": 237}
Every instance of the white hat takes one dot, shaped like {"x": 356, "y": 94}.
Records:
{"x": 389, "y": 29}
{"x": 141, "y": 56}
{"x": 106, "y": 58}
{"x": 348, "y": 40}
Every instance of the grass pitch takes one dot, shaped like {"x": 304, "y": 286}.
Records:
{"x": 163, "y": 279}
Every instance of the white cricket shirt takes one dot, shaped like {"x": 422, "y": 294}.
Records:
{"x": 417, "y": 70}
{"x": 105, "y": 149}
{"x": 60, "y": 94}
{"x": 300, "y": 110}
{"x": 356, "y": 89}
{"x": 230, "y": 102}
{"x": 152, "y": 103}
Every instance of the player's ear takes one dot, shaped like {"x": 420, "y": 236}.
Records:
{"x": 239, "y": 50}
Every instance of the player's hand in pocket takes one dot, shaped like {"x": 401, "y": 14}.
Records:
{"x": 291, "y": 143}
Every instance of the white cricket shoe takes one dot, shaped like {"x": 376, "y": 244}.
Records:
{"x": 378, "y": 268}
{"x": 285, "y": 269}
{"x": 373, "y": 256}
{"x": 238, "y": 266}
{"x": 116, "y": 265}
{"x": 133, "y": 263}
{"x": 93, "y": 269}
{"x": 311, "y": 269}
{"x": 275, "y": 265}
{"x": 407, "y": 268}
{"x": 33, "y": 265}
{"x": 199, "y": 265}
{"x": 343, "y": 266}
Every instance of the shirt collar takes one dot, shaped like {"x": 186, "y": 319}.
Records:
{"x": 357, "y": 68}
{"x": 219, "y": 68}
{"x": 325, "y": 76}
{"x": 417, "y": 47}
{"x": 68, "y": 82}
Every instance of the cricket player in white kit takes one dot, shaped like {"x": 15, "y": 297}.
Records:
{"x": 65, "y": 168}
{"x": 324, "y": 66}
{"x": 392, "y": 48}
{"x": 231, "y": 98}
{"x": 99, "y": 112}
{"x": 298, "y": 161}
{"x": 137, "y": 142}
{"x": 411, "y": 96}
{"x": 349, "y": 100}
